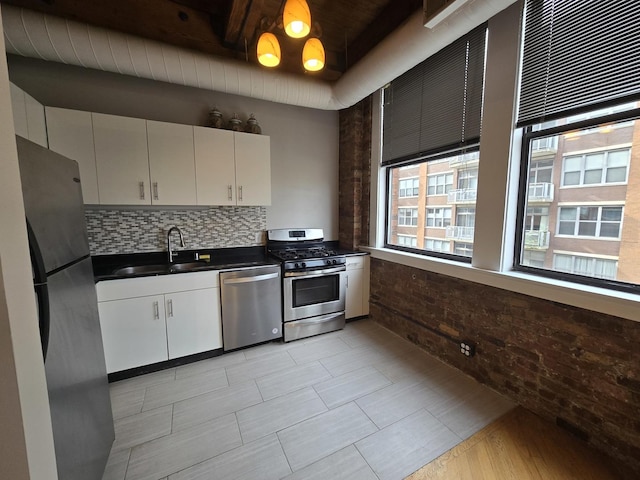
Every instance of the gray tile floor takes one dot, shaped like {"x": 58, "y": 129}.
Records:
{"x": 361, "y": 403}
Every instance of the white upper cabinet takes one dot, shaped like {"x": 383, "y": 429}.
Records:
{"x": 28, "y": 116}
{"x": 71, "y": 134}
{"x": 122, "y": 160}
{"x": 232, "y": 168}
{"x": 171, "y": 163}
{"x": 253, "y": 169}
{"x": 18, "y": 104}
{"x": 215, "y": 166}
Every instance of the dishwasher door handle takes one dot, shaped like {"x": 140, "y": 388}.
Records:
{"x": 256, "y": 278}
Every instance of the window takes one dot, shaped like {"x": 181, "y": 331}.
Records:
{"x": 587, "y": 266}
{"x": 463, "y": 249}
{"x": 438, "y": 217}
{"x": 437, "y": 245}
{"x": 408, "y": 216}
{"x": 541, "y": 171}
{"x": 439, "y": 184}
{"x": 431, "y": 122}
{"x": 590, "y": 221}
{"x": 596, "y": 168}
{"x": 409, "y": 187}
{"x": 408, "y": 240}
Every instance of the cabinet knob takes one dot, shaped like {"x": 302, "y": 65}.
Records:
{"x": 141, "y": 186}
{"x": 156, "y": 311}
{"x": 155, "y": 190}
{"x": 240, "y": 192}
{"x": 230, "y": 192}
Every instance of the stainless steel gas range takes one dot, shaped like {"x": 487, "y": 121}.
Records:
{"x": 314, "y": 282}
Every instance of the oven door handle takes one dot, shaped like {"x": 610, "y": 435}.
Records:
{"x": 315, "y": 273}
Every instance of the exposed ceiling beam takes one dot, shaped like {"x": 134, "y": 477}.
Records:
{"x": 244, "y": 19}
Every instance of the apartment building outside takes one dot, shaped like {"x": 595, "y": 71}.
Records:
{"x": 582, "y": 212}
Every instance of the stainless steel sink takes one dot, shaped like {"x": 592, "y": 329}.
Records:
{"x": 185, "y": 267}
{"x": 140, "y": 270}
{"x": 156, "y": 269}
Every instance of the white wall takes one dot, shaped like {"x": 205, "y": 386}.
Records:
{"x": 26, "y": 439}
{"x": 304, "y": 142}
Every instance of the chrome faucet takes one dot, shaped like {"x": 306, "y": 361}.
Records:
{"x": 169, "y": 251}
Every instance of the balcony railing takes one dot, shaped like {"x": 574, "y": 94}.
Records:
{"x": 463, "y": 195}
{"x": 540, "y": 192}
{"x": 536, "y": 239}
{"x": 459, "y": 233}
{"x": 543, "y": 146}
{"x": 465, "y": 159}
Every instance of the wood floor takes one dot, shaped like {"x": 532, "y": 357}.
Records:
{"x": 520, "y": 446}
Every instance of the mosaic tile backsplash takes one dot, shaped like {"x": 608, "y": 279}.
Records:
{"x": 116, "y": 231}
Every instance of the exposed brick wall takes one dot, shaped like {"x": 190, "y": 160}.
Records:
{"x": 355, "y": 174}
{"x": 575, "y": 367}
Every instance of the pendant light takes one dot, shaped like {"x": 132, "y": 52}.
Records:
{"x": 268, "y": 50}
{"x": 296, "y": 18}
{"x": 313, "y": 55}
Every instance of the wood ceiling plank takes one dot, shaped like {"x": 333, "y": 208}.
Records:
{"x": 243, "y": 22}
{"x": 390, "y": 18}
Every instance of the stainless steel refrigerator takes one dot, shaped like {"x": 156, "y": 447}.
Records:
{"x": 68, "y": 312}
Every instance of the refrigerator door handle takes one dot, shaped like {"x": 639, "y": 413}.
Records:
{"x": 41, "y": 289}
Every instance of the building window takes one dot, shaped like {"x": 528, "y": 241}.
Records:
{"x": 596, "y": 168}
{"x": 408, "y": 240}
{"x": 439, "y": 184}
{"x": 435, "y": 245}
{"x": 438, "y": 217}
{"x": 408, "y": 217}
{"x": 408, "y": 187}
{"x": 468, "y": 179}
{"x": 541, "y": 171}
{"x": 463, "y": 249}
{"x": 603, "y": 222}
{"x": 585, "y": 265}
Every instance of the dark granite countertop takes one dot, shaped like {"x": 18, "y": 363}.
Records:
{"x": 105, "y": 267}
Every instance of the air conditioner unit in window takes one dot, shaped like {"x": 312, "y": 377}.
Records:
{"x": 435, "y": 11}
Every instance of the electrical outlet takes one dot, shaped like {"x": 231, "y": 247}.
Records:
{"x": 467, "y": 348}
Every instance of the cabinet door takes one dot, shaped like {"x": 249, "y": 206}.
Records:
{"x": 355, "y": 290}
{"x": 19, "y": 107}
{"x": 133, "y": 332}
{"x": 171, "y": 163}
{"x": 71, "y": 134}
{"x": 122, "y": 160}
{"x": 193, "y": 322}
{"x": 253, "y": 169}
{"x": 215, "y": 166}
{"x": 36, "y": 125}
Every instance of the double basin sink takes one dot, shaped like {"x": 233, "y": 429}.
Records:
{"x": 177, "y": 268}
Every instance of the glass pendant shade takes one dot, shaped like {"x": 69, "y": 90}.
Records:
{"x": 268, "y": 50}
{"x": 313, "y": 55}
{"x": 296, "y": 18}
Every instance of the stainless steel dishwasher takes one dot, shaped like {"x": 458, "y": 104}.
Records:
{"x": 251, "y": 306}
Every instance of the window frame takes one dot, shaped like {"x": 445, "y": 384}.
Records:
{"x": 603, "y": 171}
{"x": 416, "y": 188}
{"x": 386, "y": 204}
{"x": 528, "y": 136}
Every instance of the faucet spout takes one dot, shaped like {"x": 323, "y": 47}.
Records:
{"x": 170, "y": 252}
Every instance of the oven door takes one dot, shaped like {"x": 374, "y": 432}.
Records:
{"x": 313, "y": 293}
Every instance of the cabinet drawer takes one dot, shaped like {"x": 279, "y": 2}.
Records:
{"x": 355, "y": 262}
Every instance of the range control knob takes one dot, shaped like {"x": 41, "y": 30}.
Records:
{"x": 303, "y": 265}
{"x": 334, "y": 261}
{"x": 328, "y": 262}
{"x": 295, "y": 265}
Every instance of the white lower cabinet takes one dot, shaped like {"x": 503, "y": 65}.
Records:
{"x": 357, "y": 301}
{"x": 189, "y": 326}
{"x": 151, "y": 319}
{"x": 133, "y": 332}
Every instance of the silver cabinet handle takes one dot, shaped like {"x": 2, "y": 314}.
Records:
{"x": 230, "y": 192}
{"x": 240, "y": 192}
{"x": 155, "y": 190}
{"x": 170, "y": 307}
{"x": 141, "y": 185}
{"x": 347, "y": 285}
{"x": 156, "y": 311}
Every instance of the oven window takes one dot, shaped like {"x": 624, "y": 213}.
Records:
{"x": 310, "y": 291}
